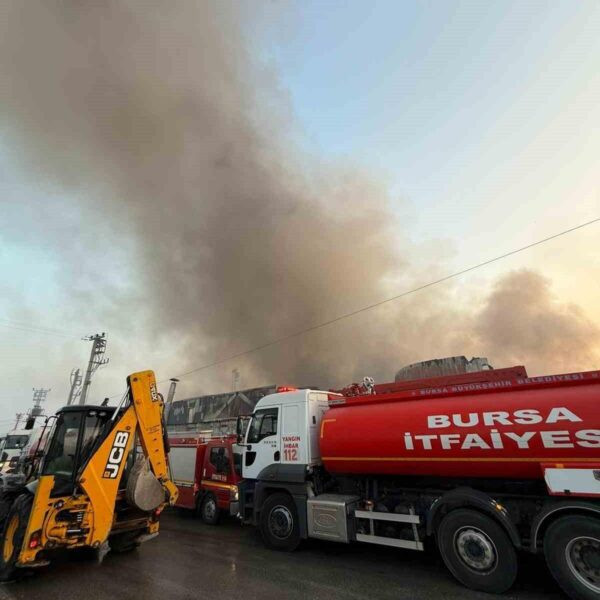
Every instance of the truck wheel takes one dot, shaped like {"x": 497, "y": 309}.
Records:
{"x": 279, "y": 525}
{"x": 124, "y": 542}
{"x": 209, "y": 510}
{"x": 477, "y": 551}
{"x": 572, "y": 551}
{"x": 13, "y": 534}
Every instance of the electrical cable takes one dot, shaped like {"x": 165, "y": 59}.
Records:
{"x": 35, "y": 329}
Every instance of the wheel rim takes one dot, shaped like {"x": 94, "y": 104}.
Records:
{"x": 583, "y": 557}
{"x": 476, "y": 549}
{"x": 9, "y": 546}
{"x": 210, "y": 508}
{"x": 281, "y": 522}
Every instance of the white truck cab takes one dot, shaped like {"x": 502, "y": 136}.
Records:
{"x": 283, "y": 433}
{"x": 12, "y": 447}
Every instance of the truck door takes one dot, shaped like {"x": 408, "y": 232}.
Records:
{"x": 263, "y": 441}
{"x": 293, "y": 438}
{"x": 217, "y": 473}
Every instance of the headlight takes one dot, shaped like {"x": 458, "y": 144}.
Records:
{"x": 235, "y": 495}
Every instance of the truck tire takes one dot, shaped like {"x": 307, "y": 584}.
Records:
{"x": 572, "y": 551}
{"x": 209, "y": 510}
{"x": 124, "y": 542}
{"x": 13, "y": 534}
{"x": 279, "y": 524}
{"x": 477, "y": 551}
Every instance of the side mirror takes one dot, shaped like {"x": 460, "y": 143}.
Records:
{"x": 239, "y": 428}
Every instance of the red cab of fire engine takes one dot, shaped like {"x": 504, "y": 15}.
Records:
{"x": 207, "y": 472}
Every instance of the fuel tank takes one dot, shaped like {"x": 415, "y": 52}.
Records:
{"x": 508, "y": 428}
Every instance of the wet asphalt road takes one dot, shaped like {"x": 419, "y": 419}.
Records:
{"x": 192, "y": 560}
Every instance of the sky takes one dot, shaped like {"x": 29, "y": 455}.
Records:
{"x": 474, "y": 113}
{"x": 478, "y": 122}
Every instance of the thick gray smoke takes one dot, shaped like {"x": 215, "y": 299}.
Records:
{"x": 178, "y": 147}
{"x": 523, "y": 323}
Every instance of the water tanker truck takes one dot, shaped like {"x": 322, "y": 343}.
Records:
{"x": 484, "y": 465}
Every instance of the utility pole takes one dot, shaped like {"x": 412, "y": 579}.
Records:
{"x": 75, "y": 392}
{"x": 18, "y": 416}
{"x": 96, "y": 361}
{"x": 39, "y": 396}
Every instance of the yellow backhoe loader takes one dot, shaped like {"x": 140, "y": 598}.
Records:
{"x": 101, "y": 482}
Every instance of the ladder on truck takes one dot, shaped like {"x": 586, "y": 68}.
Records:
{"x": 372, "y": 516}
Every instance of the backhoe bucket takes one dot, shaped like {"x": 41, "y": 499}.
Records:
{"x": 144, "y": 491}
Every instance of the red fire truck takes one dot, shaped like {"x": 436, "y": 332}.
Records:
{"x": 206, "y": 470}
{"x": 485, "y": 465}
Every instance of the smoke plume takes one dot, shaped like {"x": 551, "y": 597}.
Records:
{"x": 523, "y": 323}
{"x": 179, "y": 149}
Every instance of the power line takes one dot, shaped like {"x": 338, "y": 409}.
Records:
{"x": 33, "y": 330}
{"x": 387, "y": 300}
{"x": 36, "y": 329}
{"x": 35, "y": 326}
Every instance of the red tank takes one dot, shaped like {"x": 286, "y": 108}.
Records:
{"x": 488, "y": 424}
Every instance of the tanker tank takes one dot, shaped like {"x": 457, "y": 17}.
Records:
{"x": 493, "y": 424}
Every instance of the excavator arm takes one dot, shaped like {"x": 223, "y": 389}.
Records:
{"x": 149, "y": 408}
{"x": 149, "y": 482}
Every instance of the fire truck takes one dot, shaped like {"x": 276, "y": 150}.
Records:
{"x": 205, "y": 459}
{"x": 483, "y": 465}
{"x": 206, "y": 471}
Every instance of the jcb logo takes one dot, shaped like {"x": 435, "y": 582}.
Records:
{"x": 153, "y": 392}
{"x": 117, "y": 453}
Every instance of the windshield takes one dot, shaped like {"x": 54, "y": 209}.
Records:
{"x": 60, "y": 460}
{"x": 263, "y": 424}
{"x": 15, "y": 442}
{"x": 72, "y": 441}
